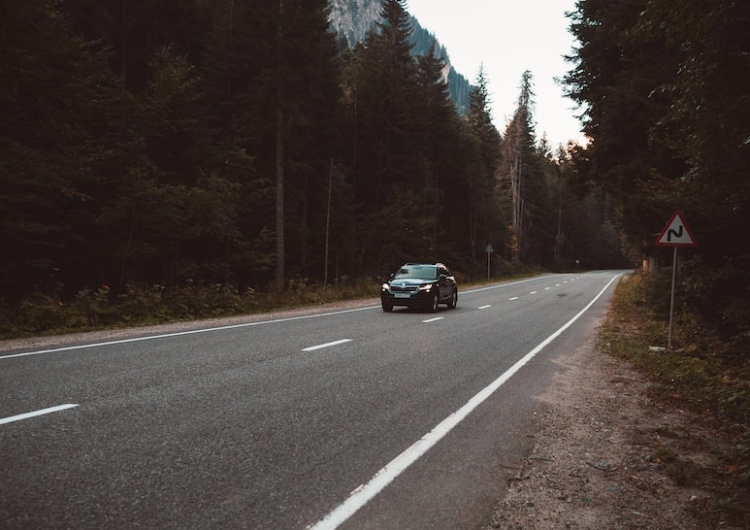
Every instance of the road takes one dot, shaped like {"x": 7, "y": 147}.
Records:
{"x": 352, "y": 418}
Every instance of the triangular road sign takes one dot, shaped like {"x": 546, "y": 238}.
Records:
{"x": 676, "y": 233}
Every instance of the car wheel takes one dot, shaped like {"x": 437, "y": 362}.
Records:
{"x": 435, "y": 302}
{"x": 387, "y": 307}
{"x": 454, "y": 300}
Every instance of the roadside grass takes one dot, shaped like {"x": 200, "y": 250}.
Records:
{"x": 700, "y": 373}
{"x": 99, "y": 309}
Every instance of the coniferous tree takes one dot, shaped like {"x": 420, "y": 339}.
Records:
{"x": 706, "y": 126}
{"x": 527, "y": 178}
{"x": 277, "y": 94}
{"x": 177, "y": 117}
{"x": 667, "y": 123}
{"x": 483, "y": 159}
{"x": 618, "y": 80}
{"x": 438, "y": 137}
{"x": 56, "y": 91}
{"x": 133, "y": 30}
{"x": 387, "y": 182}
{"x": 311, "y": 138}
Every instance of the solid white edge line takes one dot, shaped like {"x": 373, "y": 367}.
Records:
{"x": 327, "y": 345}
{"x": 28, "y": 415}
{"x": 366, "y": 492}
{"x": 181, "y": 333}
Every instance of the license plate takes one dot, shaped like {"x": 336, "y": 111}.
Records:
{"x": 402, "y": 295}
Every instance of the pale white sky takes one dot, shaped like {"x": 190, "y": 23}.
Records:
{"x": 507, "y": 37}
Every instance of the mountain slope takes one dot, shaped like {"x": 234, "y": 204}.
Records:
{"x": 353, "y": 19}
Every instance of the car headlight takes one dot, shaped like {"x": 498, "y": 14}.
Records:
{"x": 426, "y": 288}
{"x": 385, "y": 287}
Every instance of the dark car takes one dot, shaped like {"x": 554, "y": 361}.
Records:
{"x": 420, "y": 285}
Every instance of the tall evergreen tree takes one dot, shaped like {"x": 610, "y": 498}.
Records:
{"x": 619, "y": 80}
{"x": 387, "y": 180}
{"x": 484, "y": 157}
{"x": 311, "y": 137}
{"x": 133, "y": 30}
{"x": 524, "y": 178}
{"x": 438, "y": 139}
{"x": 668, "y": 125}
{"x": 275, "y": 84}
{"x": 706, "y": 124}
{"x": 55, "y": 93}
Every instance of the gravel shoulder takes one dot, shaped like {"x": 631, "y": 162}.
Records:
{"x": 609, "y": 457}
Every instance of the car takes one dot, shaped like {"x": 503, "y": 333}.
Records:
{"x": 420, "y": 285}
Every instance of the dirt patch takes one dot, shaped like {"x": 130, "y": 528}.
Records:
{"x": 609, "y": 457}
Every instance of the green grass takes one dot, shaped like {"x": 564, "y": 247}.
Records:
{"x": 699, "y": 373}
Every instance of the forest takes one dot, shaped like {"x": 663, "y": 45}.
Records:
{"x": 669, "y": 123}
{"x": 163, "y": 146}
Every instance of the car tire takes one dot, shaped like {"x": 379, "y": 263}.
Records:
{"x": 435, "y": 303}
{"x": 387, "y": 307}
{"x": 454, "y": 300}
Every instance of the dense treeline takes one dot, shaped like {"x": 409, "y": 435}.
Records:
{"x": 669, "y": 122}
{"x": 238, "y": 143}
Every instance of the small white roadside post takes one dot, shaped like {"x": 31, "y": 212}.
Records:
{"x": 489, "y": 250}
{"x": 675, "y": 234}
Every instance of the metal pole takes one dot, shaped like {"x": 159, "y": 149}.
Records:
{"x": 671, "y": 304}
{"x": 328, "y": 221}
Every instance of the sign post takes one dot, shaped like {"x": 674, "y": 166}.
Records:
{"x": 675, "y": 234}
{"x": 489, "y": 250}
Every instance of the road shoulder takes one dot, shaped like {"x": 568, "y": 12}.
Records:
{"x": 599, "y": 459}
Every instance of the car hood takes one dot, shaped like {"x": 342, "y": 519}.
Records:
{"x": 409, "y": 282}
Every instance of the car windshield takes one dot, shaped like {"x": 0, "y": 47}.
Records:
{"x": 422, "y": 273}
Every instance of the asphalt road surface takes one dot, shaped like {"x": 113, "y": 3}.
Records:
{"x": 352, "y": 418}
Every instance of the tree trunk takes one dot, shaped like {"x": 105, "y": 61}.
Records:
{"x": 280, "y": 155}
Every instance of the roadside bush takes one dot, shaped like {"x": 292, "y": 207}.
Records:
{"x": 39, "y": 313}
{"x": 195, "y": 301}
{"x": 141, "y": 305}
{"x": 91, "y": 308}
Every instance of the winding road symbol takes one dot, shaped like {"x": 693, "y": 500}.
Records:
{"x": 676, "y": 233}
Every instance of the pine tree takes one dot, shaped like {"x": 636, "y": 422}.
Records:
{"x": 621, "y": 79}
{"x": 484, "y": 158}
{"x": 523, "y": 176}
{"x": 274, "y": 84}
{"x": 386, "y": 173}
{"x": 312, "y": 94}
{"x": 57, "y": 96}
{"x": 668, "y": 128}
{"x": 438, "y": 136}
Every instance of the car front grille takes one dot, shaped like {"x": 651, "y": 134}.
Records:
{"x": 404, "y": 288}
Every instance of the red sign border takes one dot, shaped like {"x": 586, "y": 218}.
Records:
{"x": 676, "y": 214}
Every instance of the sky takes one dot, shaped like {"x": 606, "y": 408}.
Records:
{"x": 505, "y": 38}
